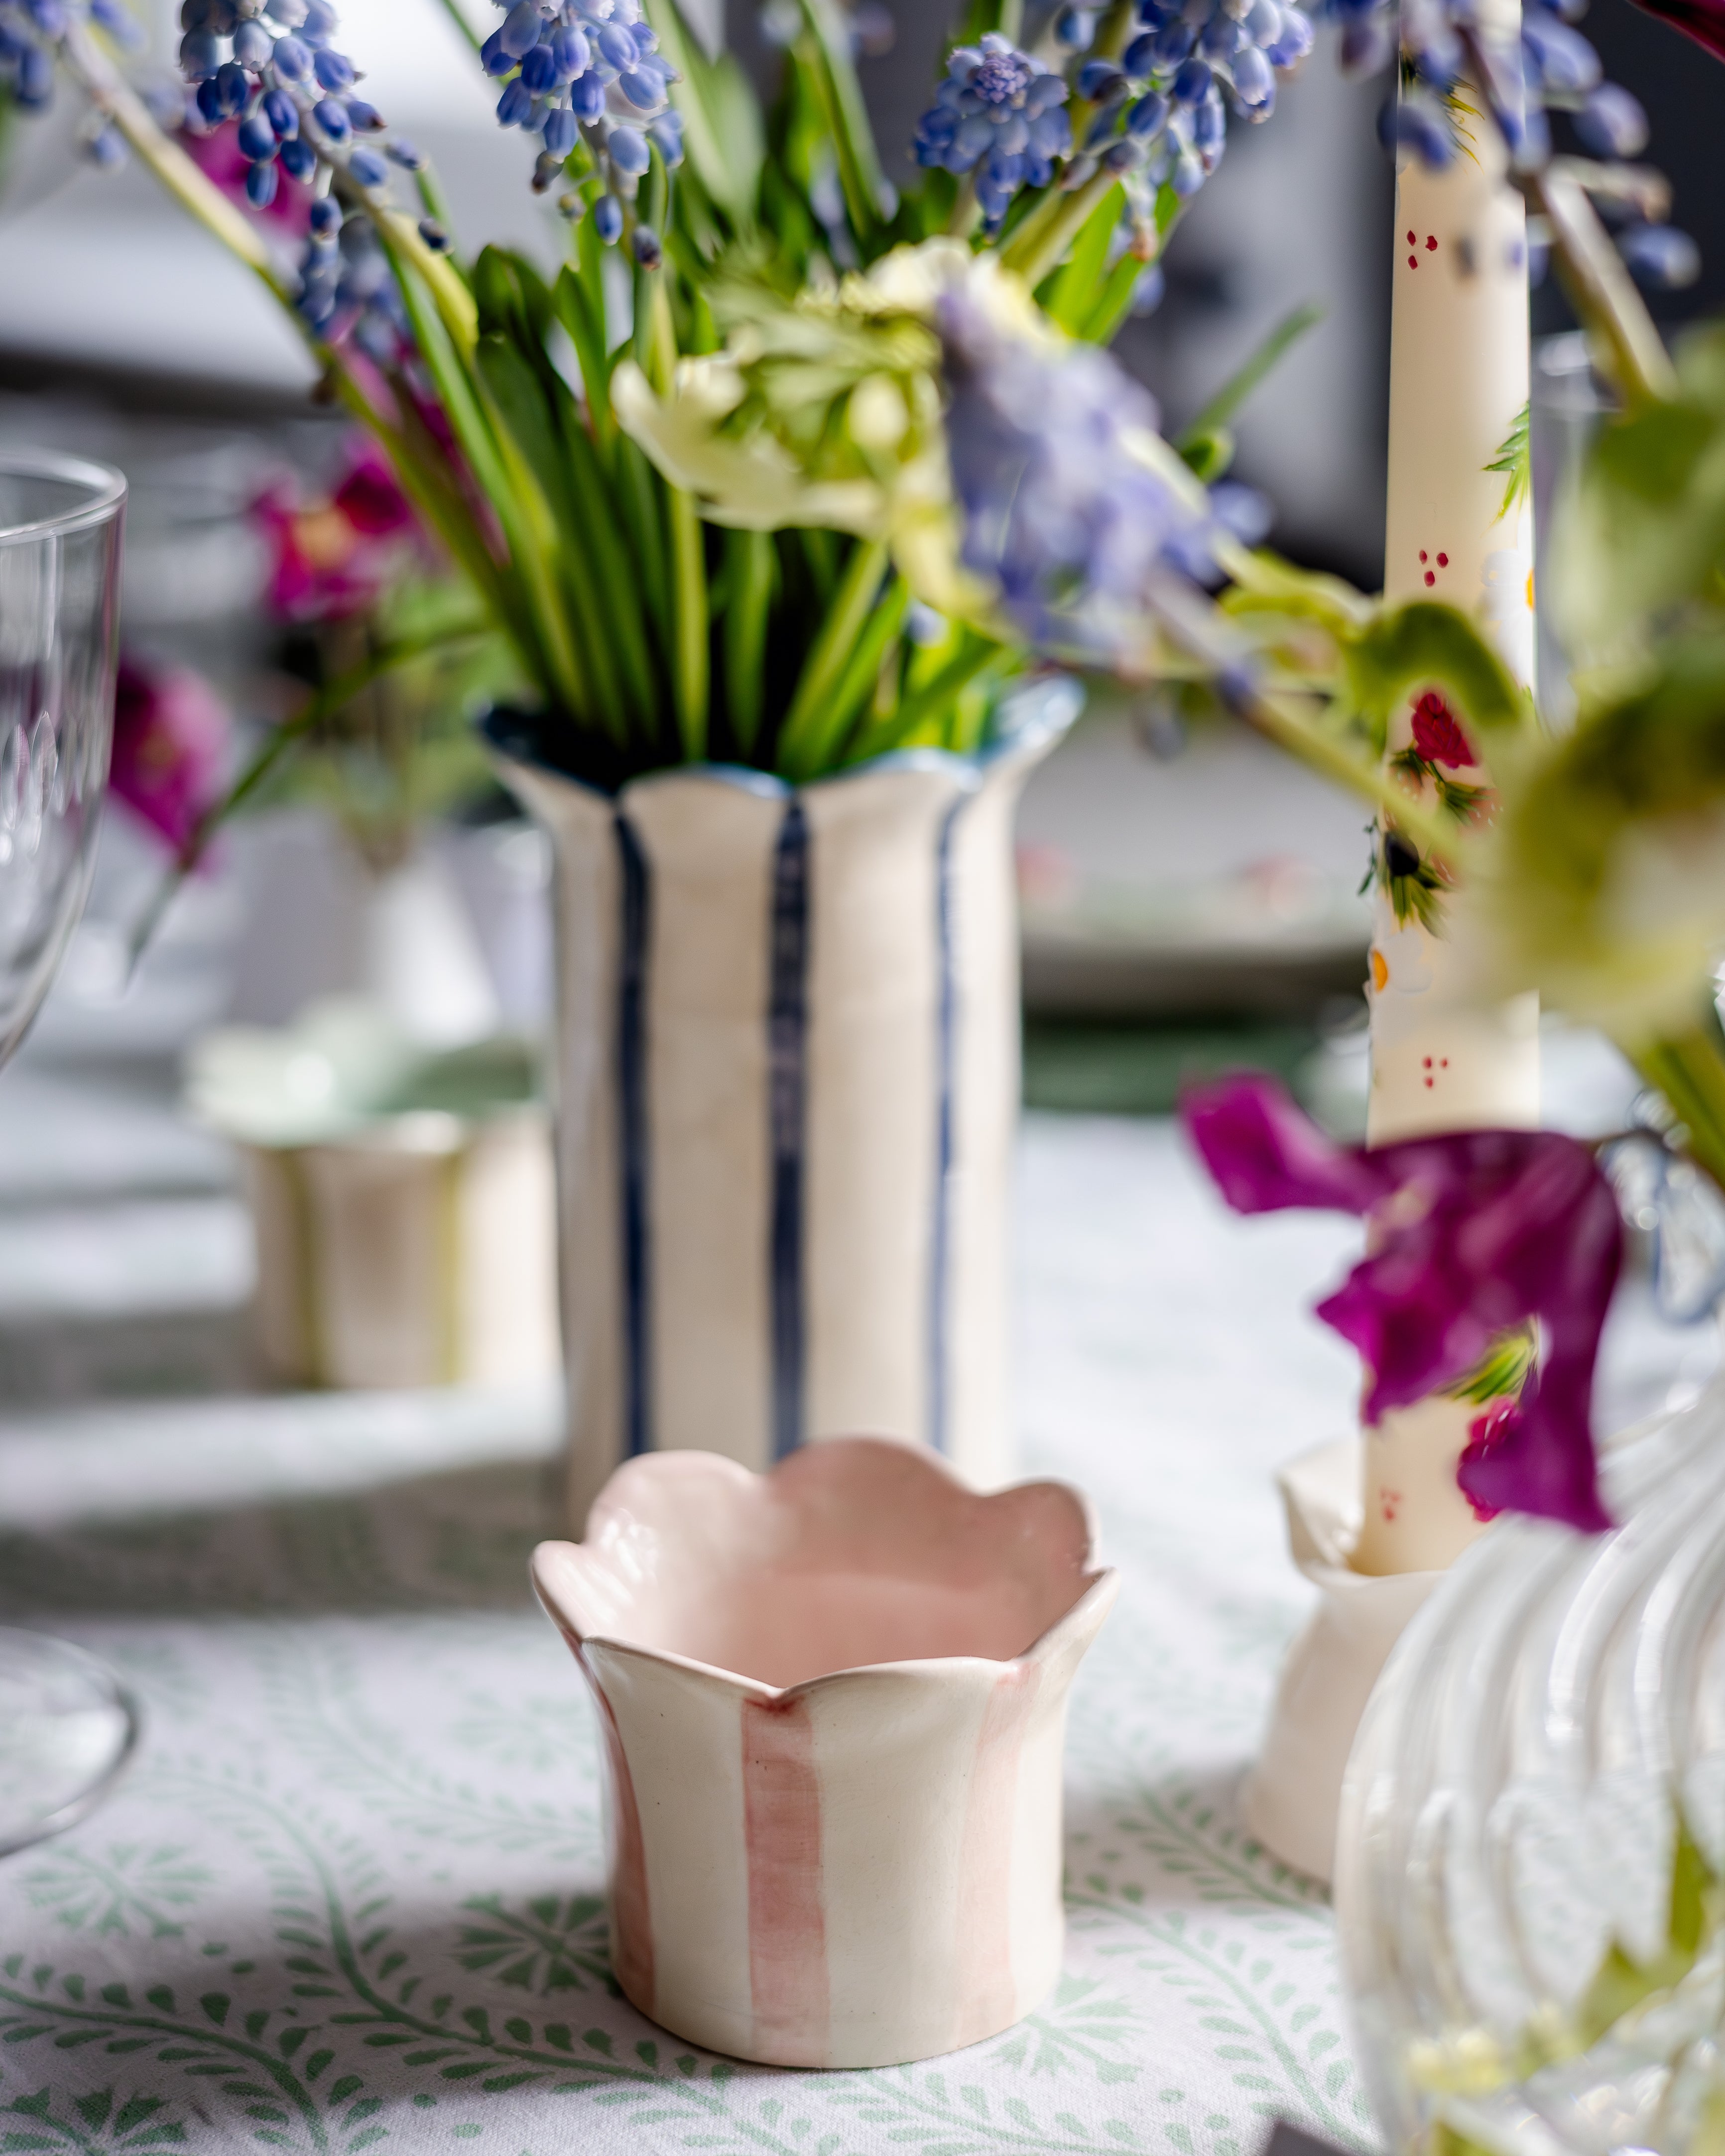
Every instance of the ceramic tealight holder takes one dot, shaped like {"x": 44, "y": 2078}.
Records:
{"x": 834, "y": 1698}
{"x": 1291, "y": 1796}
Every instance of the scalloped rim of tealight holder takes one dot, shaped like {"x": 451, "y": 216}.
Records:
{"x": 1292, "y": 1792}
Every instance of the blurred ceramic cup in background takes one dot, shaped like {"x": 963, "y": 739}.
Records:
{"x": 834, "y": 1700}
{"x": 402, "y": 1200}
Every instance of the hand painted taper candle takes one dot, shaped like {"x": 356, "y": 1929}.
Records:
{"x": 1442, "y": 1058}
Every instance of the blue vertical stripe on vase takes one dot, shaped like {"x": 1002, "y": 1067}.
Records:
{"x": 634, "y": 925}
{"x": 941, "y": 1233}
{"x": 787, "y": 1084}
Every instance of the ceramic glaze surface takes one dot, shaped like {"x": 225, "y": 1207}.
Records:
{"x": 834, "y": 1700}
{"x": 787, "y": 1080}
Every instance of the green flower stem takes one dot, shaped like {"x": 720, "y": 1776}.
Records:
{"x": 1281, "y": 720}
{"x": 937, "y": 695}
{"x": 1600, "y": 288}
{"x": 325, "y": 704}
{"x": 1246, "y": 378}
{"x": 805, "y": 724}
{"x": 117, "y": 102}
{"x": 457, "y": 14}
{"x": 1595, "y": 280}
{"x": 751, "y": 562}
{"x": 1043, "y": 237}
{"x": 967, "y": 211}
{"x": 833, "y": 74}
{"x": 691, "y": 618}
{"x": 1689, "y": 1068}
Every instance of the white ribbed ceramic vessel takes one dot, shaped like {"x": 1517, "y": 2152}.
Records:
{"x": 835, "y": 1705}
{"x": 1533, "y": 1828}
{"x": 787, "y": 1085}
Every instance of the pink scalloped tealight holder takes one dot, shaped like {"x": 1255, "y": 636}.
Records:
{"x": 834, "y": 1700}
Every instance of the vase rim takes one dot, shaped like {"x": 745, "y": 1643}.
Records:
{"x": 1054, "y": 699}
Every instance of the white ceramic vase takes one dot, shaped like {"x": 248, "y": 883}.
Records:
{"x": 786, "y": 1083}
{"x": 834, "y": 1700}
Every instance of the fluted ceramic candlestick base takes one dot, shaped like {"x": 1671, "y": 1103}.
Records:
{"x": 1292, "y": 1794}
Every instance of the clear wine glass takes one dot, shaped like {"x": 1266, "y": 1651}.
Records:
{"x": 67, "y": 1725}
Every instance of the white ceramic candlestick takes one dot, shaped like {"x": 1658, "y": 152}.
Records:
{"x": 1441, "y": 1059}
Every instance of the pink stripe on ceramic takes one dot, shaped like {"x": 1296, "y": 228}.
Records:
{"x": 788, "y": 1931}
{"x": 838, "y": 1697}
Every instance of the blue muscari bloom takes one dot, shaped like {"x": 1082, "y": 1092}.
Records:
{"x": 569, "y": 65}
{"x": 1075, "y": 29}
{"x": 326, "y": 218}
{"x": 1000, "y": 115}
{"x": 401, "y": 152}
{"x": 297, "y": 158}
{"x": 667, "y": 136}
{"x": 257, "y": 138}
{"x": 253, "y": 45}
{"x": 1079, "y": 534}
{"x": 261, "y": 182}
{"x": 279, "y": 110}
{"x": 539, "y": 70}
{"x": 628, "y": 152}
{"x": 1659, "y": 255}
{"x": 1612, "y": 123}
{"x": 368, "y": 168}
{"x": 292, "y": 60}
{"x": 648, "y": 252}
{"x": 332, "y": 117}
{"x": 362, "y": 118}
{"x": 608, "y": 219}
{"x": 333, "y": 69}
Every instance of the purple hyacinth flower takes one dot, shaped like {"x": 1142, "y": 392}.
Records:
{"x": 1473, "y": 1234}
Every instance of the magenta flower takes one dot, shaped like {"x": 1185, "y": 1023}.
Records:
{"x": 1470, "y": 1234}
{"x": 172, "y": 734}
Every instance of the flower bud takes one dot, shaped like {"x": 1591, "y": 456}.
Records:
{"x": 297, "y": 158}
{"x": 326, "y": 218}
{"x": 334, "y": 70}
{"x": 257, "y": 137}
{"x": 520, "y": 29}
{"x": 252, "y": 46}
{"x": 560, "y": 132}
{"x": 515, "y": 108}
{"x": 647, "y": 250}
{"x": 282, "y": 113}
{"x": 368, "y": 168}
{"x": 292, "y": 60}
{"x": 333, "y": 118}
{"x": 200, "y": 54}
{"x": 608, "y": 219}
{"x": 539, "y": 70}
{"x": 628, "y": 152}
{"x": 261, "y": 182}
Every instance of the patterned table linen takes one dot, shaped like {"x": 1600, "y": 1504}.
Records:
{"x": 350, "y": 1895}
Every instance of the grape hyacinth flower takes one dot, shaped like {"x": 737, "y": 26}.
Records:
{"x": 999, "y": 116}
{"x": 1073, "y": 506}
{"x": 588, "y": 72}
{"x": 1472, "y": 1234}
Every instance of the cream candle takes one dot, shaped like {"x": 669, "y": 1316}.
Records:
{"x": 1442, "y": 1060}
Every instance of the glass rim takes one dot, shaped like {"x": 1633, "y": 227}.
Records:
{"x": 104, "y": 487}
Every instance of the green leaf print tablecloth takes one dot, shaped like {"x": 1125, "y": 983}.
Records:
{"x": 350, "y": 1895}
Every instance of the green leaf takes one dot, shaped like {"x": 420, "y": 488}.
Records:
{"x": 722, "y": 131}
{"x": 1424, "y": 645}
{"x": 1515, "y": 460}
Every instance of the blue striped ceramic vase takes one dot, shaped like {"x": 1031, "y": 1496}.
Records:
{"x": 786, "y": 1083}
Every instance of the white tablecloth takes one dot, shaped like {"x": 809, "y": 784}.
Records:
{"x": 352, "y": 1892}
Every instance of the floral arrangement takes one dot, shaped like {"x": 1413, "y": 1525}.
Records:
{"x": 827, "y": 462}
